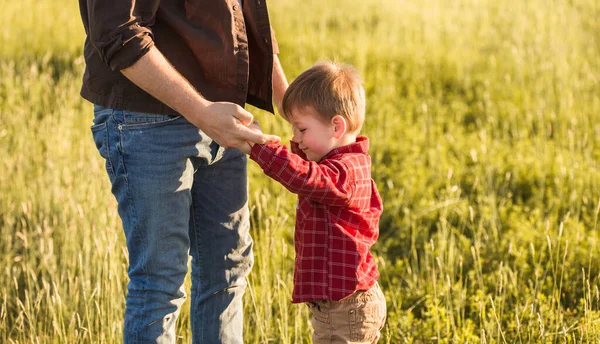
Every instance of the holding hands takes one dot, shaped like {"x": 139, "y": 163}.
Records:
{"x": 230, "y": 125}
{"x": 255, "y": 127}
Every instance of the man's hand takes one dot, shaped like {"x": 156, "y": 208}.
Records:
{"x": 224, "y": 122}
{"x": 227, "y": 124}
{"x": 254, "y": 126}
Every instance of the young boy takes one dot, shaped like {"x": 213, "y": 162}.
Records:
{"x": 339, "y": 207}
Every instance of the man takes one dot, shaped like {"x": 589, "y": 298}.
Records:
{"x": 169, "y": 80}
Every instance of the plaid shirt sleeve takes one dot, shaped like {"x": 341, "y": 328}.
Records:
{"x": 327, "y": 182}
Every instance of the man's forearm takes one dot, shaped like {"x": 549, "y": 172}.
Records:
{"x": 280, "y": 83}
{"x": 155, "y": 75}
{"x": 224, "y": 122}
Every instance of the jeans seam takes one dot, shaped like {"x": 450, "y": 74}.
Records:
{"x": 131, "y": 126}
{"x": 133, "y": 215}
{"x": 108, "y": 146}
{"x": 201, "y": 306}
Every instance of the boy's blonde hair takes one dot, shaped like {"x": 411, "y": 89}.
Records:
{"x": 331, "y": 89}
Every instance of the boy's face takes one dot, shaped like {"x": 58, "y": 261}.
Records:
{"x": 314, "y": 136}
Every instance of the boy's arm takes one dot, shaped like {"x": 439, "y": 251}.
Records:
{"x": 327, "y": 182}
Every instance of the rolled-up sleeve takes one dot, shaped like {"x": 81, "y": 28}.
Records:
{"x": 120, "y": 30}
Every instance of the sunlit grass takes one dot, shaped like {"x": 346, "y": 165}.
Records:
{"x": 484, "y": 119}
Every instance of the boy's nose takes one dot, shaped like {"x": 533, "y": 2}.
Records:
{"x": 296, "y": 138}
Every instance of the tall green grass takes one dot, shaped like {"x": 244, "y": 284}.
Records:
{"x": 484, "y": 119}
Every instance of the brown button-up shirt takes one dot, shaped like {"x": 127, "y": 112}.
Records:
{"x": 224, "y": 48}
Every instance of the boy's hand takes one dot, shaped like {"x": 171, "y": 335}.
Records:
{"x": 256, "y": 127}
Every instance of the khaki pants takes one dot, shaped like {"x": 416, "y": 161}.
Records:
{"x": 358, "y": 318}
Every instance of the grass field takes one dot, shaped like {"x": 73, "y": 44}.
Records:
{"x": 484, "y": 118}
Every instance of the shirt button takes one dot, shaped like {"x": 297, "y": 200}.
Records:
{"x": 240, "y": 87}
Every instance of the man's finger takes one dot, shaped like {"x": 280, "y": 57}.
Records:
{"x": 248, "y": 134}
{"x": 244, "y": 116}
{"x": 254, "y": 127}
{"x": 273, "y": 139}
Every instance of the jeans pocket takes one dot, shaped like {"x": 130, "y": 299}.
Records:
{"x": 100, "y": 135}
{"x": 140, "y": 120}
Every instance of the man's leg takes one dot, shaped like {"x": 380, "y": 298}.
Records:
{"x": 221, "y": 248}
{"x": 148, "y": 163}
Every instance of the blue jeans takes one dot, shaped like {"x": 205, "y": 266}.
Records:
{"x": 178, "y": 194}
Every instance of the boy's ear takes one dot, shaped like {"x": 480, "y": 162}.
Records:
{"x": 339, "y": 126}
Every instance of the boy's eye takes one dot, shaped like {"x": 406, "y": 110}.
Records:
{"x": 301, "y": 130}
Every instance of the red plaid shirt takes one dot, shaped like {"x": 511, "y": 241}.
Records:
{"x": 337, "y": 217}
